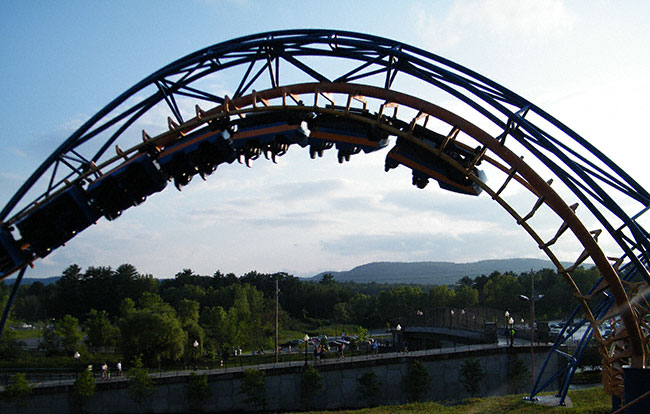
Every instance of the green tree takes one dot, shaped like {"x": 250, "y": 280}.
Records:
{"x": 440, "y": 296}
{"x": 197, "y": 390}
{"x": 253, "y": 386}
{"x": 154, "y": 331}
{"x": 418, "y": 380}
{"x": 9, "y": 346}
{"x": 213, "y": 320}
{"x": 188, "y": 310}
{"x": 502, "y": 288}
{"x": 471, "y": 375}
{"x": 310, "y": 383}
{"x": 82, "y": 390}
{"x": 18, "y": 390}
{"x": 517, "y": 375}
{"x": 126, "y": 306}
{"x": 69, "y": 297}
{"x": 50, "y": 343}
{"x": 362, "y": 334}
{"x": 141, "y": 386}
{"x": 369, "y": 387}
{"x": 341, "y": 313}
{"x": 67, "y": 330}
{"x": 327, "y": 279}
{"x": 465, "y": 297}
{"x": 193, "y": 332}
{"x": 99, "y": 330}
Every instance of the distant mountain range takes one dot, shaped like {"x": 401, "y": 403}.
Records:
{"x": 433, "y": 273}
{"x": 425, "y": 273}
{"x": 30, "y": 280}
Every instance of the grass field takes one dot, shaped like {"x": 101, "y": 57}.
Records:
{"x": 591, "y": 400}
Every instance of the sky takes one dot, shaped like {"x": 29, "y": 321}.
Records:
{"x": 584, "y": 62}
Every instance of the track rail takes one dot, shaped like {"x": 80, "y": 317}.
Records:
{"x": 377, "y": 66}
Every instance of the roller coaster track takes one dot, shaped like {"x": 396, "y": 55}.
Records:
{"x": 374, "y": 85}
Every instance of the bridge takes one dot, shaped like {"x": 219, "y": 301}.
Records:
{"x": 108, "y": 165}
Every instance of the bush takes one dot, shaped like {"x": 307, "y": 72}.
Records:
{"x": 254, "y": 387}
{"x": 9, "y": 346}
{"x": 82, "y": 390}
{"x": 418, "y": 380}
{"x": 18, "y": 390}
{"x": 368, "y": 387}
{"x": 517, "y": 375}
{"x": 140, "y": 385}
{"x": 197, "y": 389}
{"x": 471, "y": 375}
{"x": 310, "y": 384}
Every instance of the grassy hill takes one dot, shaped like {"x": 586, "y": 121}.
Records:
{"x": 435, "y": 273}
{"x": 591, "y": 400}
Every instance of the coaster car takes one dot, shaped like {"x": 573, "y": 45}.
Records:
{"x": 349, "y": 135}
{"x": 426, "y": 165}
{"x": 57, "y": 220}
{"x": 269, "y": 133}
{"x": 197, "y": 153}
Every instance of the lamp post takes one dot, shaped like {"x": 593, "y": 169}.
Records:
{"x": 532, "y": 328}
{"x": 76, "y": 357}
{"x": 196, "y": 348}
{"x": 306, "y": 338}
{"x": 398, "y": 330}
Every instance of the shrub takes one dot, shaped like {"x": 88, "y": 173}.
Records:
{"x": 82, "y": 390}
{"x": 140, "y": 385}
{"x": 18, "y": 390}
{"x": 197, "y": 389}
{"x": 310, "y": 383}
{"x": 254, "y": 387}
{"x": 517, "y": 375}
{"x": 368, "y": 387}
{"x": 471, "y": 375}
{"x": 418, "y": 380}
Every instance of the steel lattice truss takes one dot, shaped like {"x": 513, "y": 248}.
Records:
{"x": 360, "y": 79}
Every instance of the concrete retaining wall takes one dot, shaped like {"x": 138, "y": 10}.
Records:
{"x": 340, "y": 384}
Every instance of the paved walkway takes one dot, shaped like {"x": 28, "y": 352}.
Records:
{"x": 329, "y": 361}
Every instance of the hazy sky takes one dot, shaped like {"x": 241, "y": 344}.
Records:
{"x": 585, "y": 62}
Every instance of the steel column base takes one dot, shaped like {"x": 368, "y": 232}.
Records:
{"x": 637, "y": 383}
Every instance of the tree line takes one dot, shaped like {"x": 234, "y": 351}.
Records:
{"x": 162, "y": 318}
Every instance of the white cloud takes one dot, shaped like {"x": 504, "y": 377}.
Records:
{"x": 471, "y": 20}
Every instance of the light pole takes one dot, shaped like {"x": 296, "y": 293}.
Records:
{"x": 196, "y": 348}
{"x": 277, "y": 311}
{"x": 398, "y": 330}
{"x": 532, "y": 327}
{"x": 76, "y": 357}
{"x": 306, "y": 338}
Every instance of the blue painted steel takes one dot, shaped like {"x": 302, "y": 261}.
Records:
{"x": 629, "y": 272}
{"x": 596, "y": 181}
{"x": 10, "y": 300}
{"x": 11, "y": 257}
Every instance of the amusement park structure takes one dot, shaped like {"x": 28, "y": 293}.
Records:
{"x": 356, "y": 93}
